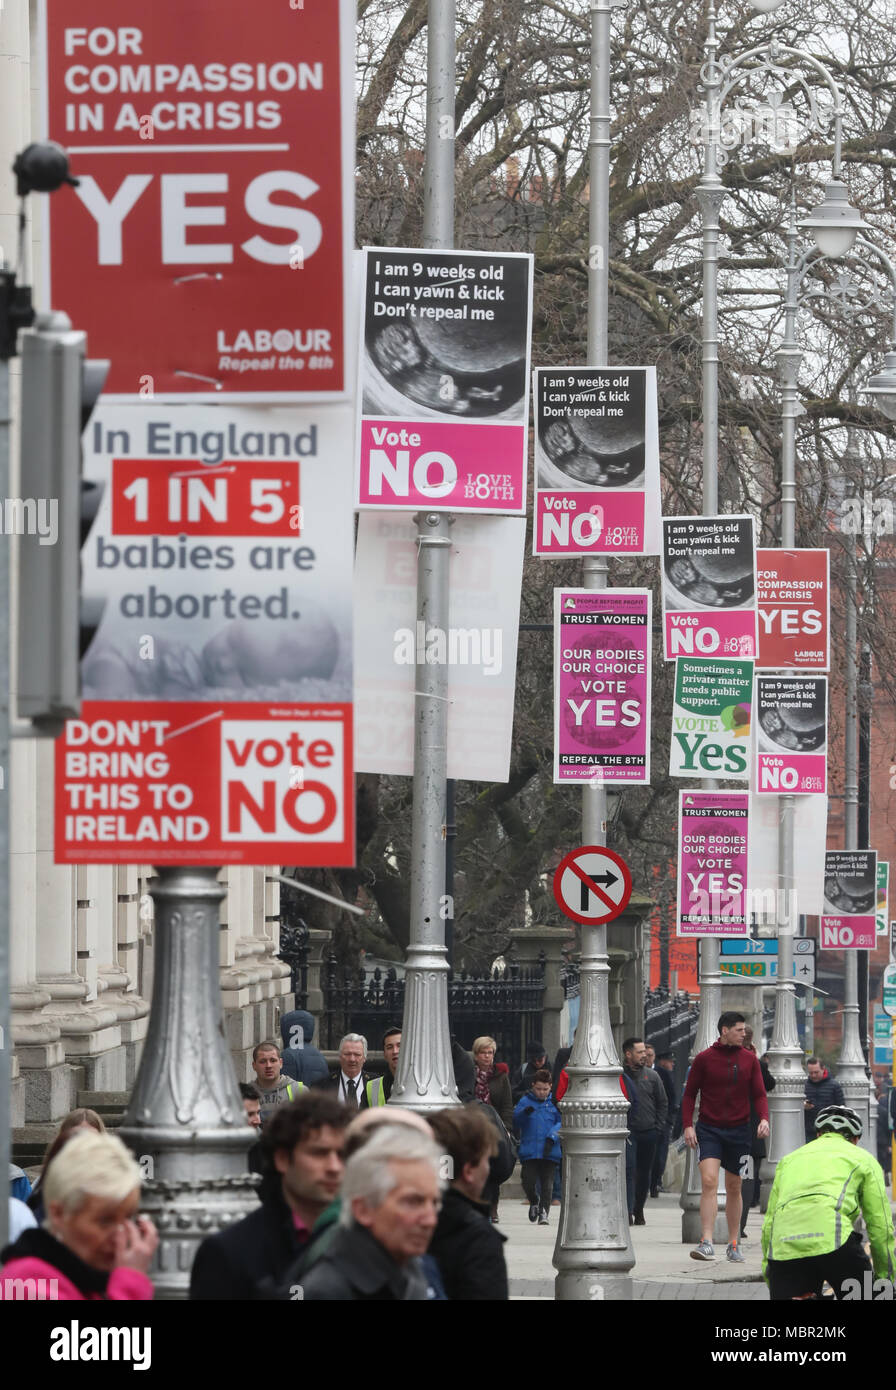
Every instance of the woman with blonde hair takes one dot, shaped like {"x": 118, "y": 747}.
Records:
{"x": 93, "y": 1245}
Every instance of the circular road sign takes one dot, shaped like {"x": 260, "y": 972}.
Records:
{"x": 592, "y": 885}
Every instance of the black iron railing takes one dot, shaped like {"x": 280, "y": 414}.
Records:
{"x": 506, "y": 1005}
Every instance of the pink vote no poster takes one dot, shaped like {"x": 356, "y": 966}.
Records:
{"x": 712, "y": 863}
{"x": 602, "y": 644}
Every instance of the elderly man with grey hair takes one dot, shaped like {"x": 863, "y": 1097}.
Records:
{"x": 391, "y": 1194}
{"x": 348, "y": 1083}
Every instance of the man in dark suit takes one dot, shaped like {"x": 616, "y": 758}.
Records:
{"x": 349, "y": 1082}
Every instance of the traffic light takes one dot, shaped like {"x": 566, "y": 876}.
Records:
{"x": 60, "y": 388}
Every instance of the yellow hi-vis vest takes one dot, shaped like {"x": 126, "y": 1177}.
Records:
{"x": 300, "y": 1085}
{"x": 376, "y": 1092}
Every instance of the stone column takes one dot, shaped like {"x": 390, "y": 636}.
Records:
{"x": 529, "y": 943}
{"x": 43, "y": 1090}
{"x": 255, "y": 986}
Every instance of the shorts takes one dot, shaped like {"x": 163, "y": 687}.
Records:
{"x": 732, "y": 1146}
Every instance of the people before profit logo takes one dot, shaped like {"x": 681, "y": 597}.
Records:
{"x": 459, "y": 646}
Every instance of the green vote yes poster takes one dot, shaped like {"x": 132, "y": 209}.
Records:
{"x": 711, "y": 719}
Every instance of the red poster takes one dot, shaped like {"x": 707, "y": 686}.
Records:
{"x": 187, "y": 783}
{"x": 794, "y": 610}
{"x": 204, "y": 249}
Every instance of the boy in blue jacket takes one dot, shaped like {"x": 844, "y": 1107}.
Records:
{"x": 537, "y": 1121}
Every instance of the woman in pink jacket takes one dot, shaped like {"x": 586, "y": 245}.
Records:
{"x": 93, "y": 1245}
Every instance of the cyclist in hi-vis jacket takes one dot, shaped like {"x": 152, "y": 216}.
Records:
{"x": 819, "y": 1192}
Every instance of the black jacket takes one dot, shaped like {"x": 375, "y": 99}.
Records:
{"x": 668, "y": 1080}
{"x": 332, "y": 1084}
{"x": 356, "y": 1268}
{"x": 827, "y": 1091}
{"x": 249, "y": 1259}
{"x": 652, "y": 1109}
{"x": 468, "y": 1250}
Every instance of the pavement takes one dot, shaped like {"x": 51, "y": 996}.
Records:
{"x": 663, "y": 1268}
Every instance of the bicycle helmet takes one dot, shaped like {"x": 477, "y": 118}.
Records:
{"x": 839, "y": 1119}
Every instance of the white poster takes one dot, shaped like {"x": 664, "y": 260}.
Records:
{"x": 810, "y": 823}
{"x": 479, "y": 647}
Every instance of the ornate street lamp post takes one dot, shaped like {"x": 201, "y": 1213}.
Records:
{"x": 837, "y": 222}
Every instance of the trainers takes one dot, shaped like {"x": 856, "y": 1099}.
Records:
{"x": 704, "y": 1251}
{"x": 733, "y": 1254}
{"x": 542, "y": 1218}
{"x": 533, "y": 1211}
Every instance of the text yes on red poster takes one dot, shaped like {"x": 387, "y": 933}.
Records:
{"x": 205, "y": 248}
{"x": 713, "y": 849}
{"x": 793, "y": 606}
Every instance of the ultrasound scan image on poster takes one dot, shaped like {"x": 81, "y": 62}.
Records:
{"x": 592, "y": 447}
{"x": 707, "y": 569}
{"x": 438, "y": 343}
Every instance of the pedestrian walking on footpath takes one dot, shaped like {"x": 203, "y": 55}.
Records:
{"x": 93, "y": 1245}
{"x": 273, "y": 1087}
{"x": 302, "y": 1170}
{"x": 537, "y": 1121}
{"x": 348, "y": 1083}
{"x": 302, "y": 1061}
{"x": 75, "y": 1121}
{"x": 821, "y": 1090}
{"x": 727, "y": 1078}
{"x": 646, "y": 1122}
{"x": 378, "y": 1091}
{"x": 820, "y": 1191}
{"x": 466, "y": 1246}
{"x": 390, "y": 1206}
{"x": 492, "y": 1087}
{"x": 664, "y": 1066}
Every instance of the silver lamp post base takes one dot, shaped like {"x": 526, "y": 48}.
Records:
{"x": 424, "y": 1079}
{"x": 594, "y": 1254}
{"x": 185, "y": 1121}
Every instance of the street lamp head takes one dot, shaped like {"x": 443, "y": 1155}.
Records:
{"x": 882, "y": 387}
{"x": 765, "y": 6}
{"x": 835, "y": 223}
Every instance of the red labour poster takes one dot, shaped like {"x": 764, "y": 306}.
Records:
{"x": 793, "y": 604}
{"x": 205, "y": 246}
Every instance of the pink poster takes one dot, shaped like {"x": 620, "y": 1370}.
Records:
{"x": 850, "y": 898}
{"x": 709, "y": 586}
{"x": 792, "y": 734}
{"x": 444, "y": 381}
{"x": 602, "y": 646}
{"x": 712, "y": 859}
{"x": 597, "y": 471}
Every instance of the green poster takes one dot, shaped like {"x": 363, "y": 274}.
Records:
{"x": 711, "y": 719}
{"x": 883, "y": 880}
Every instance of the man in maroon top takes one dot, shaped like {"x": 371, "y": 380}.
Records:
{"x": 725, "y": 1076}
